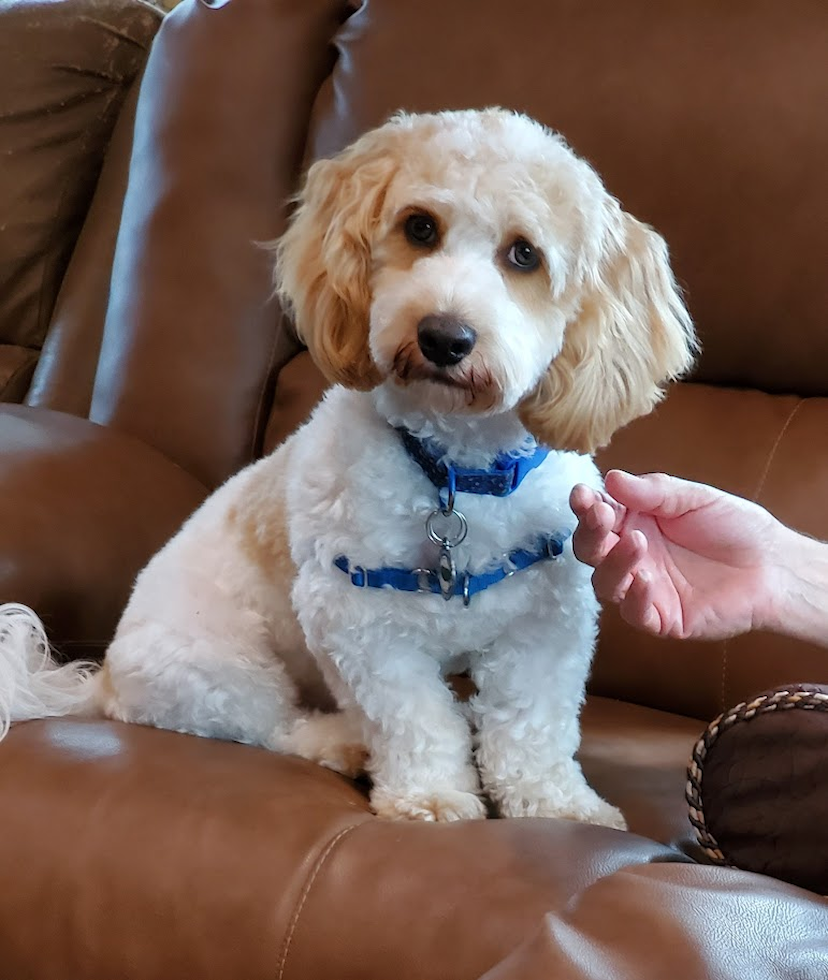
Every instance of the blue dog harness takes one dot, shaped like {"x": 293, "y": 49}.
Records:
{"x": 502, "y": 478}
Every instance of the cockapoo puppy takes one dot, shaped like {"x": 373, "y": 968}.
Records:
{"x": 474, "y": 294}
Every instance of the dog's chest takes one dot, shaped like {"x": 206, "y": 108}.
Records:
{"x": 371, "y": 502}
{"x": 355, "y": 494}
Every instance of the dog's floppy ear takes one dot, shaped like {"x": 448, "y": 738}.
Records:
{"x": 632, "y": 334}
{"x": 323, "y": 261}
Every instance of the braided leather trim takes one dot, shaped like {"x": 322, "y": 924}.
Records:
{"x": 746, "y": 711}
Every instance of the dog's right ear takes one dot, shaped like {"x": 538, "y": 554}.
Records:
{"x": 323, "y": 261}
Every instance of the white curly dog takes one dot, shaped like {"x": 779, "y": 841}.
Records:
{"x": 488, "y": 316}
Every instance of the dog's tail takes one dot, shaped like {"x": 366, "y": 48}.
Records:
{"x": 32, "y": 683}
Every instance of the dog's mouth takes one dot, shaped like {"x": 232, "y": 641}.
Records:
{"x": 478, "y": 384}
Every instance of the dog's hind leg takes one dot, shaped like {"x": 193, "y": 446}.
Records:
{"x": 224, "y": 689}
{"x": 230, "y": 686}
{"x": 335, "y": 740}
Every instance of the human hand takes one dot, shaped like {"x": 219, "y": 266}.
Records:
{"x": 681, "y": 559}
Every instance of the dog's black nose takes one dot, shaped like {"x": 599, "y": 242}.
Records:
{"x": 445, "y": 340}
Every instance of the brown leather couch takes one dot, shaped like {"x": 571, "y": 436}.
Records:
{"x": 143, "y": 360}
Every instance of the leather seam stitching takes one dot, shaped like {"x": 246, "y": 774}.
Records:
{"x": 760, "y": 486}
{"x": 320, "y": 863}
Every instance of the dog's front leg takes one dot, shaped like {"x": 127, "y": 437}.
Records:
{"x": 419, "y": 744}
{"x": 531, "y": 687}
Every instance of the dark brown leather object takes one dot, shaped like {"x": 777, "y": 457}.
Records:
{"x": 759, "y": 791}
{"x": 59, "y": 101}
{"x": 82, "y": 509}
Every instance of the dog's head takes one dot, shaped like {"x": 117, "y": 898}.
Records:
{"x": 473, "y": 260}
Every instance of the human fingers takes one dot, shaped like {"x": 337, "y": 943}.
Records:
{"x": 638, "y": 608}
{"x": 594, "y": 537}
{"x": 582, "y": 499}
{"x": 614, "y": 575}
{"x": 659, "y": 494}
{"x": 600, "y": 518}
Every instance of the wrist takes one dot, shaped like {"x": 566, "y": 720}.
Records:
{"x": 798, "y": 604}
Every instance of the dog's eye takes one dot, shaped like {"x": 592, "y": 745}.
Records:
{"x": 421, "y": 229}
{"x": 523, "y": 256}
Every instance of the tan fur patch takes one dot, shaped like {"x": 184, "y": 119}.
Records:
{"x": 395, "y": 251}
{"x": 531, "y": 290}
{"x": 106, "y": 688}
{"x": 259, "y": 521}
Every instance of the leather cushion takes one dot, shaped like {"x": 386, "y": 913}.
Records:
{"x": 187, "y": 857}
{"x": 757, "y": 787}
{"x": 82, "y": 509}
{"x": 659, "y": 921}
{"x": 196, "y": 858}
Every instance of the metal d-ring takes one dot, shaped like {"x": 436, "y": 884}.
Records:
{"x": 446, "y": 539}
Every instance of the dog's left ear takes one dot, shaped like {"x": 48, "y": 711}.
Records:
{"x": 631, "y": 336}
{"x": 323, "y": 261}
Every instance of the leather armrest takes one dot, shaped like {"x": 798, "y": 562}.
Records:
{"x": 82, "y": 509}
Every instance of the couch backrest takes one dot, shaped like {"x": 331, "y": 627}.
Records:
{"x": 192, "y": 336}
{"x": 703, "y": 119}
{"x": 706, "y": 119}
{"x": 72, "y": 68}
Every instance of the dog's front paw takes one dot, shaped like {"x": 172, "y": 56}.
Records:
{"x": 442, "y": 805}
{"x": 600, "y": 813}
{"x": 583, "y": 807}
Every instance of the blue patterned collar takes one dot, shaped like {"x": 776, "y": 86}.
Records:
{"x": 503, "y": 477}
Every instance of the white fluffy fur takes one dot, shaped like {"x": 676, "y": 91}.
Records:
{"x": 32, "y": 685}
{"x": 241, "y": 626}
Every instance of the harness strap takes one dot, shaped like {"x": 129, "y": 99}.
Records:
{"x": 466, "y": 585}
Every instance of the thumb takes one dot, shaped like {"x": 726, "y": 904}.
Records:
{"x": 659, "y": 494}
